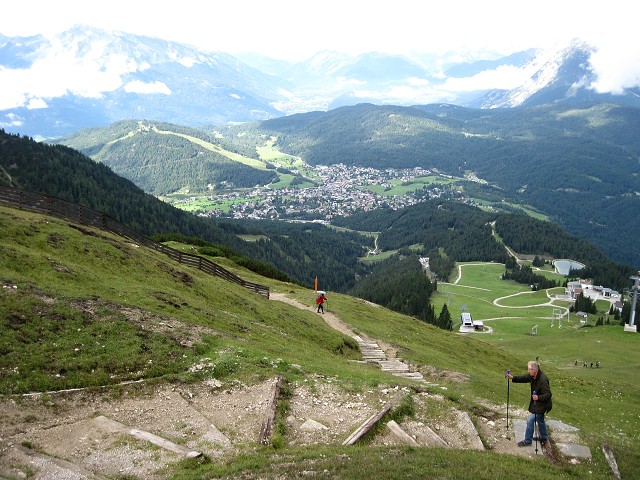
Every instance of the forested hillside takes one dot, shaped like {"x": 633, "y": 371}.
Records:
{"x": 447, "y": 232}
{"x": 577, "y": 164}
{"x": 534, "y": 237}
{"x": 68, "y": 174}
{"x": 401, "y": 285}
{"x": 162, "y": 158}
{"x": 308, "y": 250}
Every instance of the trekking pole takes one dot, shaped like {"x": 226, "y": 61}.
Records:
{"x": 536, "y": 432}
{"x": 507, "y": 377}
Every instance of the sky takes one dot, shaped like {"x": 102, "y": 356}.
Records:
{"x": 297, "y": 29}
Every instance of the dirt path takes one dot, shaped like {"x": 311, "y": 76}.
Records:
{"x": 336, "y": 323}
{"x": 330, "y": 318}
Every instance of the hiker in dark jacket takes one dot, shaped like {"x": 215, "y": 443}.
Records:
{"x": 539, "y": 403}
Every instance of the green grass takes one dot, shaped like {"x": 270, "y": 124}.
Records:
{"x": 132, "y": 313}
{"x": 367, "y": 462}
{"x": 379, "y": 257}
{"x": 85, "y": 296}
{"x": 601, "y": 401}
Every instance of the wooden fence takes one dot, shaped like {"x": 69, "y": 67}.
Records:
{"x": 57, "y": 207}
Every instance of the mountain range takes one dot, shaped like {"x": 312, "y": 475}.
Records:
{"x": 87, "y": 77}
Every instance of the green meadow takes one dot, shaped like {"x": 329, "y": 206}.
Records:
{"x": 67, "y": 323}
{"x": 602, "y": 401}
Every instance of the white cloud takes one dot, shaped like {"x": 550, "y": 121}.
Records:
{"x": 418, "y": 82}
{"x": 405, "y": 94}
{"x": 466, "y": 29}
{"x": 12, "y": 95}
{"x": 11, "y": 120}
{"x": 616, "y": 69}
{"x": 137, "y": 86}
{"x": 36, "y": 103}
{"x": 62, "y": 71}
{"x": 297, "y": 30}
{"x": 344, "y": 82}
{"x": 504, "y": 77}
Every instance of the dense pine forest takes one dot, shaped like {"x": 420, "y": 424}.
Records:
{"x": 162, "y": 158}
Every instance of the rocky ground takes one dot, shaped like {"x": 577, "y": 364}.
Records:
{"x": 70, "y": 435}
{"x": 213, "y": 420}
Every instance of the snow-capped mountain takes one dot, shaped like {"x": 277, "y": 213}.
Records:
{"x": 118, "y": 76}
{"x": 564, "y": 74}
{"x": 86, "y": 77}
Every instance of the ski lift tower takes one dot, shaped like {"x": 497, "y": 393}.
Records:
{"x": 632, "y": 318}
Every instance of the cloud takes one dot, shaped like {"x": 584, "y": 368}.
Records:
{"x": 11, "y": 120}
{"x": 505, "y": 77}
{"x": 418, "y": 82}
{"x": 616, "y": 68}
{"x": 64, "y": 69}
{"x": 36, "y": 103}
{"x": 137, "y": 86}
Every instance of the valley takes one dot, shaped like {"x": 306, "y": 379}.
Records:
{"x": 321, "y": 192}
{"x": 169, "y": 214}
{"x": 337, "y": 190}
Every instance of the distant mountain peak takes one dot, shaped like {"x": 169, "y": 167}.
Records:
{"x": 556, "y": 74}
{"x": 87, "y": 77}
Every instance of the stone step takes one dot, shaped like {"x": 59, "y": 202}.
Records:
{"x": 392, "y": 363}
{"x": 363, "y": 350}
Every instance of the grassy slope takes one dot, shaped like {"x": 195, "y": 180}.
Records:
{"x": 603, "y": 402}
{"x": 50, "y": 341}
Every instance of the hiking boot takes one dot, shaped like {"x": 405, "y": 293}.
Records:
{"x": 524, "y": 443}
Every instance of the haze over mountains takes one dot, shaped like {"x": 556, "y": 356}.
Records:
{"x": 87, "y": 77}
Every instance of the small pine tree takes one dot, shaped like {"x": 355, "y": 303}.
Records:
{"x": 444, "y": 319}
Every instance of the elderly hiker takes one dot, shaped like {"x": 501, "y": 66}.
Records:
{"x": 539, "y": 403}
